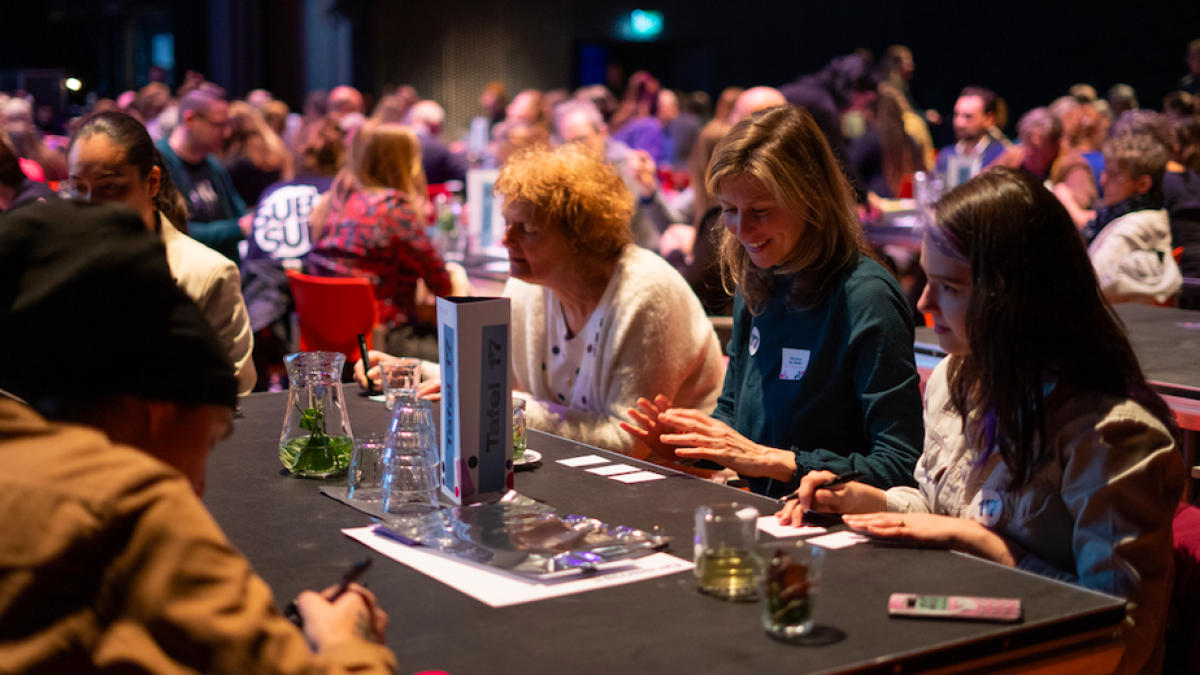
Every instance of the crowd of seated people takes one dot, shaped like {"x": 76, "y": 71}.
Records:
{"x": 627, "y": 220}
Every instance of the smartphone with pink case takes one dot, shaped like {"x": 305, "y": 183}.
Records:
{"x": 967, "y": 608}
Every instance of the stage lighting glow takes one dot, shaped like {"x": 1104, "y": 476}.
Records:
{"x": 73, "y": 84}
{"x": 646, "y": 24}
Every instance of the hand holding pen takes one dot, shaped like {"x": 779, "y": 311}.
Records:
{"x": 336, "y": 615}
{"x": 827, "y": 492}
{"x": 830, "y": 484}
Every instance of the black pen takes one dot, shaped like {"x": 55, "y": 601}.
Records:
{"x": 352, "y": 575}
{"x": 366, "y": 360}
{"x": 829, "y": 485}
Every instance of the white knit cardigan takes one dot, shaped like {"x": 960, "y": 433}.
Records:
{"x": 655, "y": 339}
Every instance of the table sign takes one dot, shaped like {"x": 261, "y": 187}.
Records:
{"x": 476, "y": 429}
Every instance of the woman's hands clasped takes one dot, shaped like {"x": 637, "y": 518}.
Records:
{"x": 676, "y": 433}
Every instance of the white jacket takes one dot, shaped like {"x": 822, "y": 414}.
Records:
{"x": 212, "y": 281}
{"x": 1132, "y": 257}
{"x": 1097, "y": 512}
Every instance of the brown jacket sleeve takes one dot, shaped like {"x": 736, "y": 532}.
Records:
{"x": 109, "y": 562}
{"x": 187, "y": 600}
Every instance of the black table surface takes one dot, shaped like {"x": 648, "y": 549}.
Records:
{"x": 1168, "y": 352}
{"x": 291, "y": 534}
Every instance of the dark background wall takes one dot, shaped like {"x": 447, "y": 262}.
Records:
{"x": 1028, "y": 51}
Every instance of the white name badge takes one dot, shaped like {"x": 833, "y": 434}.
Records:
{"x": 795, "y": 362}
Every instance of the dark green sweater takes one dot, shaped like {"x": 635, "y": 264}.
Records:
{"x": 857, "y": 406}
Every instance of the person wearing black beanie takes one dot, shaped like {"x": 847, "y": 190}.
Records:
{"x": 110, "y": 560}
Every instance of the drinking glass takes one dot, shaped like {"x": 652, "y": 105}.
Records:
{"x": 789, "y": 585}
{"x": 400, "y": 379}
{"x": 409, "y": 481}
{"x": 365, "y": 480}
{"x": 518, "y": 427}
{"x": 726, "y": 560}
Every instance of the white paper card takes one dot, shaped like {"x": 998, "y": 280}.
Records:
{"x": 770, "y": 525}
{"x": 839, "y": 539}
{"x": 613, "y": 470}
{"x": 584, "y": 460}
{"x": 639, "y": 477}
{"x": 499, "y": 589}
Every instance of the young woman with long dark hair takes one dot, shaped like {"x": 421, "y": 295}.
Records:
{"x": 1045, "y": 449}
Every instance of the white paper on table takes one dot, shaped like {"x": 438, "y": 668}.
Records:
{"x": 583, "y": 460}
{"x": 839, "y": 539}
{"x": 497, "y": 588}
{"x": 613, "y": 469}
{"x": 638, "y": 477}
{"x": 382, "y": 398}
{"x": 770, "y": 525}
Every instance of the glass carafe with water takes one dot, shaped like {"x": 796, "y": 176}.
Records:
{"x": 316, "y": 441}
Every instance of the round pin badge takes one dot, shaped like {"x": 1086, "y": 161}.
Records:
{"x": 754, "y": 340}
{"x": 987, "y": 507}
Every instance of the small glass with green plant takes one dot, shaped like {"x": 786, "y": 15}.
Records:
{"x": 788, "y": 586}
{"x": 317, "y": 441}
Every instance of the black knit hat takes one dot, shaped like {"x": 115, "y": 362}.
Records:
{"x": 88, "y": 308}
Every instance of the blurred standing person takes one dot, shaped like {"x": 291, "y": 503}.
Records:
{"x": 1191, "y": 82}
{"x": 370, "y": 225}
{"x": 897, "y": 69}
{"x": 439, "y": 162}
{"x": 254, "y": 155}
{"x": 885, "y": 156}
{"x": 214, "y": 207}
{"x": 493, "y": 100}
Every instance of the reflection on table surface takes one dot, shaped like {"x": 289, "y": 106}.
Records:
{"x": 291, "y": 533}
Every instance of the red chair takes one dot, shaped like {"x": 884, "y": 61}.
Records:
{"x": 333, "y": 312}
{"x": 1183, "y": 619}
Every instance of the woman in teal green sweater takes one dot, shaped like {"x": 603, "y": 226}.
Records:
{"x": 821, "y": 371}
